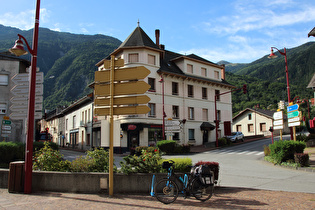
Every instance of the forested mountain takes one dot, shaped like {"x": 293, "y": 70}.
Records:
{"x": 266, "y": 78}
{"x": 67, "y": 60}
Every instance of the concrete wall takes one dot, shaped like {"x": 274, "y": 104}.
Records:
{"x": 85, "y": 182}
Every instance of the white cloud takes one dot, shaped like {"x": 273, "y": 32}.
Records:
{"x": 24, "y": 20}
{"x": 250, "y": 17}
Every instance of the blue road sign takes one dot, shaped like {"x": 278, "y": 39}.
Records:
{"x": 292, "y": 108}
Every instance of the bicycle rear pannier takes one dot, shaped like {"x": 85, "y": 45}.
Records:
{"x": 206, "y": 175}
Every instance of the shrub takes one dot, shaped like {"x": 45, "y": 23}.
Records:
{"x": 39, "y": 145}
{"x": 302, "y": 137}
{"x": 302, "y": 159}
{"x": 47, "y": 159}
{"x": 81, "y": 164}
{"x": 100, "y": 160}
{"x": 147, "y": 162}
{"x": 11, "y": 151}
{"x": 281, "y": 151}
{"x": 266, "y": 150}
{"x": 167, "y": 146}
{"x": 180, "y": 165}
{"x": 222, "y": 141}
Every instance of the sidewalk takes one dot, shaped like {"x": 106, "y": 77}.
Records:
{"x": 223, "y": 198}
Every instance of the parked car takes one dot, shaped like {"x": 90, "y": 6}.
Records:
{"x": 236, "y": 136}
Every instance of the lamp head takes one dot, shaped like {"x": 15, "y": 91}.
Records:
{"x": 18, "y": 48}
{"x": 272, "y": 55}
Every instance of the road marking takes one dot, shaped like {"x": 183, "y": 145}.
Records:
{"x": 233, "y": 152}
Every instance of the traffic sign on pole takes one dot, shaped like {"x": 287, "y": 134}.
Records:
{"x": 119, "y": 84}
{"x": 292, "y": 108}
{"x": 132, "y": 73}
{"x": 141, "y": 99}
{"x": 124, "y": 110}
{"x": 126, "y": 88}
{"x": 293, "y": 114}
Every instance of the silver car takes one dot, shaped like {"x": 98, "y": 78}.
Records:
{"x": 236, "y": 136}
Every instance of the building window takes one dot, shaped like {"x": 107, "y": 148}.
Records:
{"x": 73, "y": 122}
{"x": 190, "y": 91}
{"x": 88, "y": 142}
{"x": 249, "y": 116}
{"x": 152, "y": 111}
{"x": 175, "y": 88}
{"x": 204, "y": 93}
{"x": 219, "y": 115}
{"x": 216, "y": 75}
{"x": 175, "y": 112}
{"x": 204, "y": 72}
{"x": 176, "y": 136}
{"x": 151, "y": 82}
{"x": 190, "y": 68}
{"x": 191, "y": 113}
{"x": 4, "y": 79}
{"x": 239, "y": 128}
{"x": 3, "y": 108}
{"x": 262, "y": 127}
{"x": 66, "y": 124}
{"x": 217, "y": 93}
{"x": 250, "y": 128}
{"x": 89, "y": 115}
{"x": 151, "y": 59}
{"x": 205, "y": 115}
{"x": 191, "y": 133}
{"x": 133, "y": 58}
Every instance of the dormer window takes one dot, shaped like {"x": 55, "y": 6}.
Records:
{"x": 216, "y": 74}
{"x": 204, "y": 72}
{"x": 151, "y": 59}
{"x": 190, "y": 68}
{"x": 133, "y": 57}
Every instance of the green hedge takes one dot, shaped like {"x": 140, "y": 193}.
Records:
{"x": 171, "y": 147}
{"x": 15, "y": 151}
{"x": 282, "y": 151}
{"x": 11, "y": 151}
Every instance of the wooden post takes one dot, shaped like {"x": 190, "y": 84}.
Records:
{"x": 111, "y": 131}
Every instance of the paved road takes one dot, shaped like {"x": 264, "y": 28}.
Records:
{"x": 244, "y": 166}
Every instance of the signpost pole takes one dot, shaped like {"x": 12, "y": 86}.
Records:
{"x": 111, "y": 135}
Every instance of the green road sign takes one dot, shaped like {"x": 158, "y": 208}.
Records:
{"x": 6, "y": 122}
{"x": 293, "y": 114}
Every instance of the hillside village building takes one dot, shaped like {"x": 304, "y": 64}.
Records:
{"x": 14, "y": 83}
{"x": 190, "y": 85}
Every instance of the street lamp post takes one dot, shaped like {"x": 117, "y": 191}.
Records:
{"x": 18, "y": 50}
{"x": 163, "y": 123}
{"x": 272, "y": 55}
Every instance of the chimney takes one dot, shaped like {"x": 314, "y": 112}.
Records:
{"x": 223, "y": 72}
{"x": 157, "y": 37}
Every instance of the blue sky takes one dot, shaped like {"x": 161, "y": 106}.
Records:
{"x": 236, "y": 31}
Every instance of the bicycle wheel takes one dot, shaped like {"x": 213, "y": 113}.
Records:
{"x": 166, "y": 191}
{"x": 201, "y": 191}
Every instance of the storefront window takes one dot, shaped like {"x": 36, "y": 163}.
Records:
{"x": 155, "y": 134}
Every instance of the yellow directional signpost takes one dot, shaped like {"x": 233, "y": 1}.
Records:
{"x": 116, "y": 93}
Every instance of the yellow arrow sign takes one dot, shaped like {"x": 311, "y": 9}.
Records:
{"x": 133, "y": 73}
{"x": 142, "y": 99}
{"x": 126, "y": 110}
{"x": 126, "y": 88}
{"x": 118, "y": 63}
